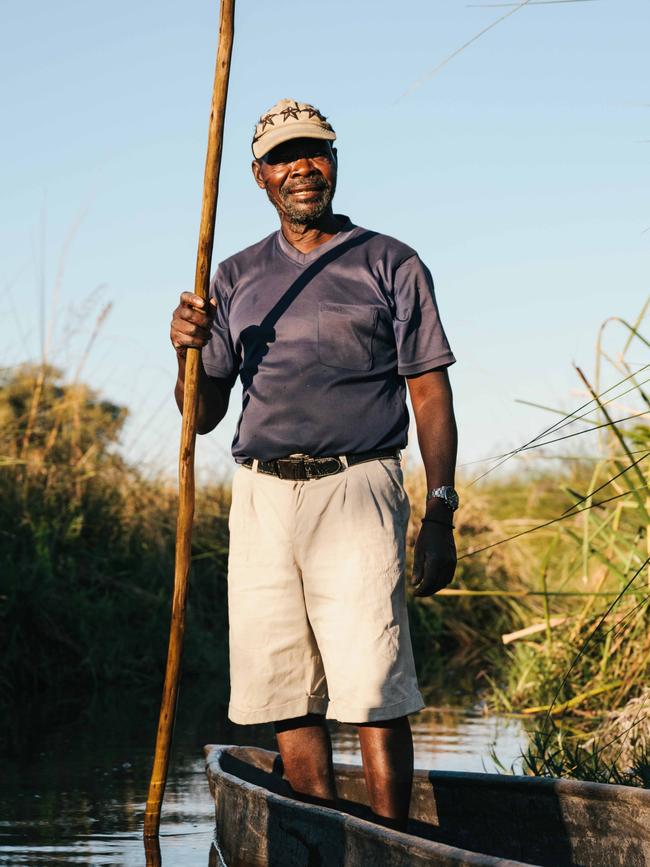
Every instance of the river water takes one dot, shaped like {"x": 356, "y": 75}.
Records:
{"x": 74, "y": 775}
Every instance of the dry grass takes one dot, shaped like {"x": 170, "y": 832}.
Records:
{"x": 86, "y": 546}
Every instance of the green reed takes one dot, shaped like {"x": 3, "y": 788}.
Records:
{"x": 86, "y": 547}
{"x": 86, "y": 558}
{"x": 563, "y": 638}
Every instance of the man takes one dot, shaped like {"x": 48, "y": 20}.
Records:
{"x": 325, "y": 322}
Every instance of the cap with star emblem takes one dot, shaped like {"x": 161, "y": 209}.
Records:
{"x": 286, "y": 120}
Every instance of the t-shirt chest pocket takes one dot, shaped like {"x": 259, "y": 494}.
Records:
{"x": 345, "y": 335}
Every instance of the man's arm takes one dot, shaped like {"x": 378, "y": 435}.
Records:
{"x": 435, "y": 551}
{"x": 190, "y": 327}
{"x": 214, "y": 395}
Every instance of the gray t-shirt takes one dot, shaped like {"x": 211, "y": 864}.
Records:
{"x": 322, "y": 342}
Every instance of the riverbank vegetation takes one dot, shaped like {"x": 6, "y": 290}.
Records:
{"x": 87, "y": 547}
{"x": 550, "y": 605}
{"x": 556, "y": 560}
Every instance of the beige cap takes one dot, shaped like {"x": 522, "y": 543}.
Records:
{"x": 289, "y": 119}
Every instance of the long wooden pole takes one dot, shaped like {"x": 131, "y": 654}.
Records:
{"x": 188, "y": 433}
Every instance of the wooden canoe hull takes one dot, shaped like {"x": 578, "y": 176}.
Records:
{"x": 456, "y": 819}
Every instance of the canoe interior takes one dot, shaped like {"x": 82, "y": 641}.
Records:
{"x": 504, "y": 819}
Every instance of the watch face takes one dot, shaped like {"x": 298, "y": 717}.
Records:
{"x": 447, "y": 494}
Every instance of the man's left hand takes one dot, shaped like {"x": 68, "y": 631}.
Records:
{"x": 434, "y": 562}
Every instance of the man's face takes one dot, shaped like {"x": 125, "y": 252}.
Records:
{"x": 299, "y": 177}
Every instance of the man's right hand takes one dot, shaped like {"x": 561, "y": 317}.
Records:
{"x": 190, "y": 325}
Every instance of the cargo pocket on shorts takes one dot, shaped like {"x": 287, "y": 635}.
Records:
{"x": 399, "y": 498}
{"x": 345, "y": 335}
{"x": 390, "y": 643}
{"x": 239, "y": 516}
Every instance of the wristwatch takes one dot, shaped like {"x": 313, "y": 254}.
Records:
{"x": 447, "y": 494}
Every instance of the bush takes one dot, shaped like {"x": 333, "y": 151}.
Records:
{"x": 87, "y": 543}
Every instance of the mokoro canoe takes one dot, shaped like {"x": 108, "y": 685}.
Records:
{"x": 456, "y": 819}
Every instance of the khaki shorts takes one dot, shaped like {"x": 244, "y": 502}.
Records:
{"x": 316, "y": 597}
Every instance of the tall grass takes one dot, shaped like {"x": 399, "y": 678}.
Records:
{"x": 550, "y": 605}
{"x": 577, "y": 653}
{"x": 460, "y": 626}
{"x": 86, "y": 547}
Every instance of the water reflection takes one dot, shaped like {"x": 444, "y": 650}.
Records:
{"x": 451, "y": 739}
{"x": 75, "y": 778}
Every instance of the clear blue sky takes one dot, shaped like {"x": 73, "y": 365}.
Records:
{"x": 519, "y": 172}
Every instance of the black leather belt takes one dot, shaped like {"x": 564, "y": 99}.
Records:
{"x": 302, "y": 468}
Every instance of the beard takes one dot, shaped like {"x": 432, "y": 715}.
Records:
{"x": 305, "y": 213}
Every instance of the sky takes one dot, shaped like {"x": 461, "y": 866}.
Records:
{"x": 519, "y": 171}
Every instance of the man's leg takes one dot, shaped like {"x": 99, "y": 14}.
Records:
{"x": 387, "y": 753}
{"x": 306, "y": 752}
{"x": 351, "y": 554}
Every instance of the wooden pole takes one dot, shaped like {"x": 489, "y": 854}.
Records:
{"x": 188, "y": 432}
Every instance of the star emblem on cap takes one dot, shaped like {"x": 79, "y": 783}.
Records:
{"x": 266, "y": 120}
{"x": 313, "y": 112}
{"x": 290, "y": 112}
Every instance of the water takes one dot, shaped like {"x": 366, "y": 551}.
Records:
{"x": 74, "y": 776}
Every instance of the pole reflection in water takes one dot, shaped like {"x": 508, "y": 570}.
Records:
{"x": 152, "y": 854}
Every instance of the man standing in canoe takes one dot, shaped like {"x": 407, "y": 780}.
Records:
{"x": 326, "y": 324}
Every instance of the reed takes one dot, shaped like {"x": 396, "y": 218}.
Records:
{"x": 550, "y": 605}
{"x": 86, "y": 546}
{"x": 561, "y": 573}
